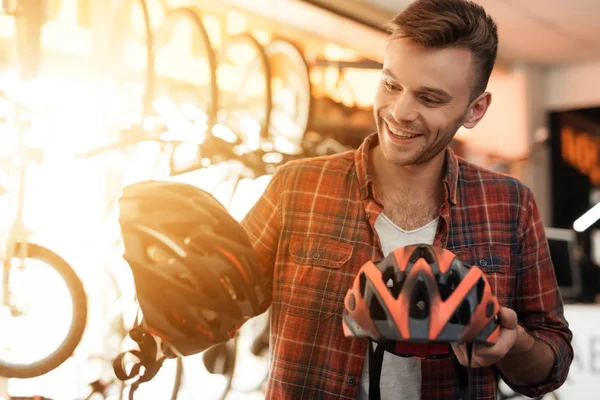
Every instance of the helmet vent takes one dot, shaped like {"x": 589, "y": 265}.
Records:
{"x": 376, "y": 310}
{"x": 228, "y": 285}
{"x": 394, "y": 279}
{"x": 362, "y": 284}
{"x": 489, "y": 311}
{"x": 419, "y": 306}
{"x": 211, "y": 318}
{"x": 480, "y": 288}
{"x": 425, "y": 252}
{"x": 462, "y": 316}
{"x": 447, "y": 284}
{"x": 186, "y": 280}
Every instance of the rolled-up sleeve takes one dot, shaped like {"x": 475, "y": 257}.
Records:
{"x": 538, "y": 301}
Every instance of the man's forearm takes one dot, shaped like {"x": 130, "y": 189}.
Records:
{"x": 529, "y": 363}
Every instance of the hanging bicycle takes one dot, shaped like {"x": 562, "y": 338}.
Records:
{"x": 36, "y": 283}
{"x": 43, "y": 307}
{"x": 172, "y": 115}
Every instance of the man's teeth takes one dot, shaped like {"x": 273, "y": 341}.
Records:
{"x": 402, "y": 134}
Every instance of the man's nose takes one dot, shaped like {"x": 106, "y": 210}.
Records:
{"x": 404, "y": 108}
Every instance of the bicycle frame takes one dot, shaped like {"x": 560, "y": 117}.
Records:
{"x": 18, "y": 232}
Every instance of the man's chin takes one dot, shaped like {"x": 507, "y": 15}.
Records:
{"x": 400, "y": 160}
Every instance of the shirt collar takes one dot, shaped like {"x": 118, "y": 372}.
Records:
{"x": 365, "y": 179}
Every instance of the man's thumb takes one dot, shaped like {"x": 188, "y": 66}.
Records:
{"x": 508, "y": 318}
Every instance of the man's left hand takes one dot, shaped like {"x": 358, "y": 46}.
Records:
{"x": 511, "y": 335}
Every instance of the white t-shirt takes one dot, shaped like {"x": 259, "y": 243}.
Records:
{"x": 400, "y": 376}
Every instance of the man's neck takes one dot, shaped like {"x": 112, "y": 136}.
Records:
{"x": 424, "y": 180}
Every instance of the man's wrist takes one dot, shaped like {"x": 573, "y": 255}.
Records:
{"x": 523, "y": 344}
{"x": 528, "y": 363}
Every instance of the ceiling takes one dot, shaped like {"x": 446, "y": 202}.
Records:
{"x": 542, "y": 31}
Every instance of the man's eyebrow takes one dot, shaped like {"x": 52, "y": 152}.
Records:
{"x": 388, "y": 73}
{"x": 439, "y": 92}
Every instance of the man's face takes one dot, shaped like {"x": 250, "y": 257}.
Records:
{"x": 422, "y": 100}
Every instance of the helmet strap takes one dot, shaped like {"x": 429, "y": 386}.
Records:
{"x": 149, "y": 354}
{"x": 465, "y": 376}
{"x": 375, "y": 365}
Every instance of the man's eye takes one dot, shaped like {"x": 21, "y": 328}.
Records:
{"x": 391, "y": 87}
{"x": 429, "y": 100}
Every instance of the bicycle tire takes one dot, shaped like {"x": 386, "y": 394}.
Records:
{"x": 178, "y": 378}
{"x": 294, "y": 54}
{"x": 225, "y": 356}
{"x": 264, "y": 63}
{"x": 193, "y": 15}
{"x": 29, "y": 19}
{"x": 78, "y": 323}
{"x": 259, "y": 346}
{"x": 114, "y": 37}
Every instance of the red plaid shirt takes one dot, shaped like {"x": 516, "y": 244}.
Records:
{"x": 313, "y": 229}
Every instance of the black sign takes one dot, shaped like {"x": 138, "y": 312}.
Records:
{"x": 575, "y": 169}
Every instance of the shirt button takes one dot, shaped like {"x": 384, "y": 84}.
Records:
{"x": 483, "y": 262}
{"x": 351, "y": 381}
{"x": 316, "y": 255}
{"x": 368, "y": 216}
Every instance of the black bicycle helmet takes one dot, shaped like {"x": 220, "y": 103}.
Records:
{"x": 195, "y": 272}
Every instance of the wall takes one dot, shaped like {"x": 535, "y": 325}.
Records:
{"x": 573, "y": 86}
{"x": 502, "y": 130}
{"x": 515, "y": 120}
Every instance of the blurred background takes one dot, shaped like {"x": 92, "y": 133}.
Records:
{"x": 96, "y": 94}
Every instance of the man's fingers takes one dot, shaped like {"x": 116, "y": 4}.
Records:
{"x": 477, "y": 360}
{"x": 508, "y": 318}
{"x": 482, "y": 350}
{"x": 460, "y": 352}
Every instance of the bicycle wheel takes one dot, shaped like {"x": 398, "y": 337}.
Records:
{"x": 213, "y": 371}
{"x": 198, "y": 91}
{"x": 291, "y": 88}
{"x": 252, "y": 367}
{"x": 29, "y": 19}
{"x": 123, "y": 65}
{"x": 65, "y": 348}
{"x": 247, "y": 102}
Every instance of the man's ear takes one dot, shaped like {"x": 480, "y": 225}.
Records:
{"x": 477, "y": 110}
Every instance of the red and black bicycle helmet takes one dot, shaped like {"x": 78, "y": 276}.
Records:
{"x": 421, "y": 293}
{"x": 195, "y": 272}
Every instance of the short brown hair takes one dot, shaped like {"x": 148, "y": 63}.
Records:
{"x": 452, "y": 23}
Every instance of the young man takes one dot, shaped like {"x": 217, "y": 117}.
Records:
{"x": 321, "y": 219}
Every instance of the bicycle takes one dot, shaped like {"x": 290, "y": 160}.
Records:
{"x": 292, "y": 94}
{"x": 29, "y": 18}
{"x": 282, "y": 137}
{"x": 122, "y": 286}
{"x": 130, "y": 145}
{"x": 18, "y": 245}
{"x": 179, "y": 132}
{"x": 18, "y": 280}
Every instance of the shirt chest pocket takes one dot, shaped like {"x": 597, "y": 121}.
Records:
{"x": 312, "y": 282}
{"x": 495, "y": 262}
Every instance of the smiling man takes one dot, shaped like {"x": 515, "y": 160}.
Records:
{"x": 320, "y": 220}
